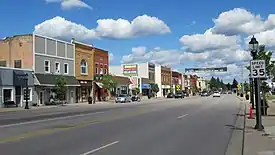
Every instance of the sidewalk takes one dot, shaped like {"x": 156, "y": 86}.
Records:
{"x": 260, "y": 142}
{"x": 3, "y": 110}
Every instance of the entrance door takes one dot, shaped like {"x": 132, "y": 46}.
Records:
{"x": 41, "y": 97}
{"x": 18, "y": 95}
{"x": 72, "y": 97}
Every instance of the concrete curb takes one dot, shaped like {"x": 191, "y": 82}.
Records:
{"x": 236, "y": 142}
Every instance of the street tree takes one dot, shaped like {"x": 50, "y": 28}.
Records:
{"x": 270, "y": 65}
{"x": 61, "y": 87}
{"x": 213, "y": 83}
{"x": 154, "y": 87}
{"x": 235, "y": 83}
{"x": 108, "y": 82}
{"x": 228, "y": 86}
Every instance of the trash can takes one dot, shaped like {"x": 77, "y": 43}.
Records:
{"x": 90, "y": 100}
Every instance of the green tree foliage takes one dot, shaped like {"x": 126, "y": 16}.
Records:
{"x": 235, "y": 83}
{"x": 61, "y": 87}
{"x": 108, "y": 82}
{"x": 217, "y": 83}
{"x": 154, "y": 87}
{"x": 246, "y": 87}
{"x": 228, "y": 86}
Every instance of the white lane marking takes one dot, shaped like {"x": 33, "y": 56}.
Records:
{"x": 100, "y": 148}
{"x": 181, "y": 116}
{"x": 46, "y": 120}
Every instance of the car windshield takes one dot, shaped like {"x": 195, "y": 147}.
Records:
{"x": 122, "y": 95}
{"x": 216, "y": 92}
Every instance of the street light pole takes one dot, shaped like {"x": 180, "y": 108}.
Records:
{"x": 254, "y": 44}
{"x": 251, "y": 93}
{"x": 27, "y": 92}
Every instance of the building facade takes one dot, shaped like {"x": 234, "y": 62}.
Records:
{"x": 84, "y": 70}
{"x": 176, "y": 81}
{"x": 122, "y": 85}
{"x": 101, "y": 67}
{"x": 16, "y": 61}
{"x": 201, "y": 84}
{"x": 13, "y": 83}
{"x": 53, "y": 58}
{"x": 163, "y": 77}
{"x": 17, "y": 52}
{"x": 141, "y": 75}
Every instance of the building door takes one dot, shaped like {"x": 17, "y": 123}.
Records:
{"x": 72, "y": 97}
{"x": 18, "y": 95}
{"x": 41, "y": 97}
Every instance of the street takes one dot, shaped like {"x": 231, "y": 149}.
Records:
{"x": 190, "y": 126}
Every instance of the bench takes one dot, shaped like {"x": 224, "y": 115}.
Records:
{"x": 8, "y": 104}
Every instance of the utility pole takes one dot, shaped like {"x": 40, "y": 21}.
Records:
{"x": 242, "y": 80}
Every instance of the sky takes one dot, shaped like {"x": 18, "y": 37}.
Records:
{"x": 181, "y": 34}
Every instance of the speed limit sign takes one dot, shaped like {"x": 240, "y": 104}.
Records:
{"x": 257, "y": 69}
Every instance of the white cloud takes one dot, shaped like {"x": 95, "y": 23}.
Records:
{"x": 70, "y": 4}
{"x": 238, "y": 21}
{"x": 107, "y": 28}
{"x": 158, "y": 56}
{"x": 62, "y": 28}
{"x": 266, "y": 38}
{"x": 209, "y": 41}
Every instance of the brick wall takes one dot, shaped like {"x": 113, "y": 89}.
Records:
{"x": 87, "y": 54}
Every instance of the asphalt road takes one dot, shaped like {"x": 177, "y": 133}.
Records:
{"x": 170, "y": 127}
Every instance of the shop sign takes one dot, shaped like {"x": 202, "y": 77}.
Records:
{"x": 130, "y": 70}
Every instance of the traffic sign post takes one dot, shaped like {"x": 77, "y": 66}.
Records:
{"x": 258, "y": 71}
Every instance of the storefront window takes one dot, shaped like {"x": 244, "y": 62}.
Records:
{"x": 7, "y": 94}
{"x": 123, "y": 90}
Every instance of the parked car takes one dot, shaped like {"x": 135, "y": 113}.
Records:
{"x": 170, "y": 95}
{"x": 204, "y": 94}
{"x": 179, "y": 95}
{"x": 230, "y": 92}
{"x": 123, "y": 98}
{"x": 185, "y": 94}
{"x": 136, "y": 98}
{"x": 217, "y": 94}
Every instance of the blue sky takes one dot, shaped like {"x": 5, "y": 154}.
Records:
{"x": 182, "y": 18}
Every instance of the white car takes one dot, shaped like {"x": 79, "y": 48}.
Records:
{"x": 217, "y": 94}
{"x": 123, "y": 98}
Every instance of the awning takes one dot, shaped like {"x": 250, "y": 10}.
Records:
{"x": 100, "y": 85}
{"x": 19, "y": 77}
{"x": 50, "y": 80}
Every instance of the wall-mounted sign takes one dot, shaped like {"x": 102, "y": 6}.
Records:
{"x": 130, "y": 70}
{"x": 146, "y": 86}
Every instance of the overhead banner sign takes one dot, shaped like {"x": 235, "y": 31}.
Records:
{"x": 130, "y": 70}
{"x": 203, "y": 70}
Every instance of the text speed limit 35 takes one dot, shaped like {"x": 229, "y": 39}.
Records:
{"x": 257, "y": 69}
